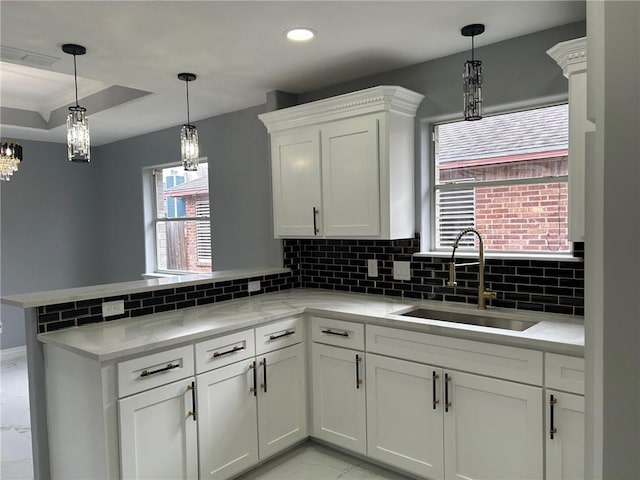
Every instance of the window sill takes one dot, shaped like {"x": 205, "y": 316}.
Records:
{"x": 564, "y": 257}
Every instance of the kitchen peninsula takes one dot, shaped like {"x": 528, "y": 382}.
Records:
{"x": 369, "y": 325}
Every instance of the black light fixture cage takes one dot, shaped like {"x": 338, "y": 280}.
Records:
{"x": 472, "y": 77}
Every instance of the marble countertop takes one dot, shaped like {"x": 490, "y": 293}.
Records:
{"x": 122, "y": 338}
{"x": 52, "y": 297}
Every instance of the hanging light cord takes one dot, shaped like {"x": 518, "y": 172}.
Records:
{"x": 472, "y": 56}
{"x": 75, "y": 78}
{"x": 188, "y": 120}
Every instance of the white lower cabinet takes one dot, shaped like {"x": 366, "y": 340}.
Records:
{"x": 158, "y": 434}
{"x": 444, "y": 424}
{"x": 492, "y": 428}
{"x": 228, "y": 420}
{"x": 339, "y": 402}
{"x": 282, "y": 400}
{"x": 564, "y": 436}
{"x": 404, "y": 412}
{"x": 251, "y": 410}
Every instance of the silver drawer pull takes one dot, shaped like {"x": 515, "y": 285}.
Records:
{"x": 285, "y": 334}
{"x": 331, "y": 332}
{"x": 233, "y": 350}
{"x": 170, "y": 366}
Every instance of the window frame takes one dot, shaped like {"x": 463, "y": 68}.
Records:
{"x": 427, "y": 200}
{"x": 152, "y": 219}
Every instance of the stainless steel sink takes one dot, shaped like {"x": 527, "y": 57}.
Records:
{"x": 470, "y": 319}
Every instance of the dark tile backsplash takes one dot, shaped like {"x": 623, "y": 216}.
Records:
{"x": 543, "y": 285}
{"x": 341, "y": 265}
{"x": 72, "y": 314}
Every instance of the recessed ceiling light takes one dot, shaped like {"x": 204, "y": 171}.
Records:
{"x": 300, "y": 34}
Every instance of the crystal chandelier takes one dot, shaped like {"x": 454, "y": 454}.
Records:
{"x": 77, "y": 122}
{"x": 472, "y": 77}
{"x": 10, "y": 157}
{"x": 189, "y": 151}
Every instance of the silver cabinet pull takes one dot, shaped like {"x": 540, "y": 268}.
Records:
{"x": 285, "y": 334}
{"x": 316, "y": 231}
{"x": 192, "y": 412}
{"x": 170, "y": 366}
{"x": 331, "y": 332}
{"x": 552, "y": 429}
{"x": 233, "y": 350}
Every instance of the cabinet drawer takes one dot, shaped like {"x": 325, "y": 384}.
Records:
{"x": 564, "y": 373}
{"x": 279, "y": 334}
{"x": 224, "y": 350}
{"x": 337, "y": 332}
{"x": 510, "y": 363}
{"x": 150, "y": 371}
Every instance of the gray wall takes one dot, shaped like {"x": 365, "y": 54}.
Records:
{"x": 515, "y": 71}
{"x": 236, "y": 146}
{"x": 49, "y": 230}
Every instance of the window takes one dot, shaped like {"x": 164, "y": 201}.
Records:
{"x": 505, "y": 175}
{"x": 182, "y": 221}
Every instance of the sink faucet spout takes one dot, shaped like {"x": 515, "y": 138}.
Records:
{"x": 483, "y": 294}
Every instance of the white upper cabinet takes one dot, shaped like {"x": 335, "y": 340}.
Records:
{"x": 344, "y": 167}
{"x": 572, "y": 57}
{"x": 295, "y": 173}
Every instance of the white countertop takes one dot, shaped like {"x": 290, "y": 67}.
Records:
{"x": 52, "y": 297}
{"x": 121, "y": 338}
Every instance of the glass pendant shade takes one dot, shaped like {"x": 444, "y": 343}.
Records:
{"x": 189, "y": 150}
{"x": 472, "y": 87}
{"x": 189, "y": 147}
{"x": 78, "y": 147}
{"x": 78, "y": 142}
{"x": 10, "y": 158}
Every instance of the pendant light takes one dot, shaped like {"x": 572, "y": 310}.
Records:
{"x": 189, "y": 151}
{"x": 472, "y": 77}
{"x": 10, "y": 157}
{"x": 77, "y": 123}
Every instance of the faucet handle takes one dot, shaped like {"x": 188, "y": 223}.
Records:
{"x": 488, "y": 294}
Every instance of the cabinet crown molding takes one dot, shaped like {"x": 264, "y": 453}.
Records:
{"x": 371, "y": 100}
{"x": 570, "y": 55}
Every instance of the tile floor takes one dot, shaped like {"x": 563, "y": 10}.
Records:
{"x": 309, "y": 461}
{"x": 15, "y": 432}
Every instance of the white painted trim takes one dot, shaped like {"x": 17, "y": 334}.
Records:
{"x": 370, "y": 100}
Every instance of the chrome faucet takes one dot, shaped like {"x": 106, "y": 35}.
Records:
{"x": 483, "y": 294}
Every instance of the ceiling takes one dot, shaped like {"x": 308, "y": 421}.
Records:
{"x": 128, "y": 77}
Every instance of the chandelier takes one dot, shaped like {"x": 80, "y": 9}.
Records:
{"x": 189, "y": 151}
{"x": 78, "y": 145}
{"x": 10, "y": 157}
{"x": 472, "y": 77}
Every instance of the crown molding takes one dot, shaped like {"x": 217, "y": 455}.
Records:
{"x": 570, "y": 55}
{"x": 383, "y": 98}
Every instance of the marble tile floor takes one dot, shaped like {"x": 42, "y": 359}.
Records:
{"x": 15, "y": 432}
{"x": 309, "y": 461}
{"x": 312, "y": 461}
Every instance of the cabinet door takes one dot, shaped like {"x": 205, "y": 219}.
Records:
{"x": 295, "y": 164}
{"x": 492, "y": 429}
{"x": 404, "y": 415}
{"x": 339, "y": 414}
{"x": 351, "y": 177}
{"x": 228, "y": 424}
{"x": 282, "y": 399}
{"x": 158, "y": 435}
{"x": 565, "y": 448}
